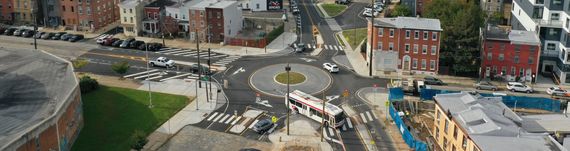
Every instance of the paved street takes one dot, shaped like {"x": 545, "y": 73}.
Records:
{"x": 352, "y": 16}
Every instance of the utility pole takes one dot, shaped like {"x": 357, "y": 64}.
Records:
{"x": 265, "y": 28}
{"x": 209, "y": 57}
{"x": 199, "y": 66}
{"x": 148, "y": 76}
{"x": 35, "y": 27}
{"x": 288, "y": 68}
{"x": 371, "y": 43}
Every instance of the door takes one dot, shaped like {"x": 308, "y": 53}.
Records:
{"x": 406, "y": 63}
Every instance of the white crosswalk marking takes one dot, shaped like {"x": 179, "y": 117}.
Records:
{"x": 349, "y": 122}
{"x": 343, "y": 127}
{"x": 224, "y": 118}
{"x": 150, "y": 75}
{"x": 155, "y": 77}
{"x": 337, "y": 47}
{"x": 309, "y": 46}
{"x": 235, "y": 121}
{"x": 217, "y": 118}
{"x": 326, "y": 46}
{"x": 341, "y": 48}
{"x": 331, "y": 132}
{"x": 135, "y": 74}
{"x": 229, "y": 119}
{"x": 212, "y": 116}
{"x": 254, "y": 122}
{"x": 375, "y": 116}
{"x": 363, "y": 118}
{"x": 369, "y": 116}
{"x": 174, "y": 77}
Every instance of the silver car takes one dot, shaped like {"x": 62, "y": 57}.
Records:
{"x": 484, "y": 85}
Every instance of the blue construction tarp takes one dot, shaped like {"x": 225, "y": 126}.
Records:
{"x": 396, "y": 94}
{"x": 416, "y": 144}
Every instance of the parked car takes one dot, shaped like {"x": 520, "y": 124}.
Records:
{"x": 2, "y": 30}
{"x": 58, "y": 35}
{"x": 18, "y": 32}
{"x": 162, "y": 62}
{"x": 433, "y": 81}
{"x": 154, "y": 46}
{"x": 28, "y": 33}
{"x": 368, "y": 12}
{"x": 331, "y": 67}
{"x": 126, "y": 43}
{"x": 101, "y": 40}
{"x": 10, "y": 31}
{"x": 117, "y": 43}
{"x": 300, "y": 47}
{"x": 47, "y": 36}
{"x": 135, "y": 44}
{"x": 342, "y": 1}
{"x": 296, "y": 11}
{"x": 66, "y": 37}
{"x": 485, "y": 85}
{"x": 202, "y": 69}
{"x": 262, "y": 126}
{"x": 76, "y": 38}
{"x": 110, "y": 41}
{"x": 38, "y": 35}
{"x": 519, "y": 87}
{"x": 556, "y": 91}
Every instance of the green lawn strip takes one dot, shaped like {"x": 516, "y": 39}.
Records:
{"x": 294, "y": 78}
{"x": 112, "y": 114}
{"x": 354, "y": 36}
{"x": 333, "y": 9}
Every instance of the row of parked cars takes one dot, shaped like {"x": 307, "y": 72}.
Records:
{"x": 41, "y": 35}
{"x": 486, "y": 85}
{"x": 374, "y": 9}
{"x": 131, "y": 43}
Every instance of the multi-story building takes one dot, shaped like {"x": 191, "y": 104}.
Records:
{"x": 415, "y": 40}
{"x": 131, "y": 16}
{"x": 218, "y": 19}
{"x": 6, "y": 10}
{"x": 510, "y": 54}
{"x": 551, "y": 21}
{"x": 156, "y": 20}
{"x": 89, "y": 14}
{"x": 492, "y": 6}
{"x": 469, "y": 122}
{"x": 49, "y": 14}
{"x": 22, "y": 10}
{"x": 416, "y": 7}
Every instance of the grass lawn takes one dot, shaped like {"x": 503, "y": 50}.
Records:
{"x": 333, "y": 9}
{"x": 112, "y": 115}
{"x": 354, "y": 36}
{"x": 294, "y": 78}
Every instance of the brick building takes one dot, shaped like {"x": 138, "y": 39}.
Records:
{"x": 224, "y": 19}
{"x": 415, "y": 40}
{"x": 41, "y": 102}
{"x": 6, "y": 10}
{"x": 89, "y": 14}
{"x": 22, "y": 10}
{"x": 510, "y": 54}
{"x": 156, "y": 21}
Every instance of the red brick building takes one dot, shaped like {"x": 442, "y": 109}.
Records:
{"x": 510, "y": 54}
{"x": 6, "y": 10}
{"x": 89, "y": 14}
{"x": 414, "y": 41}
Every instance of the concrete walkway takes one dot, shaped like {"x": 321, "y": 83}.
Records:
{"x": 303, "y": 136}
{"x": 193, "y": 113}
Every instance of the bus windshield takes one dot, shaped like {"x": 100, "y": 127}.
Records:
{"x": 339, "y": 117}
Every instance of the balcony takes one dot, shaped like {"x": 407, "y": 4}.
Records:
{"x": 549, "y": 54}
{"x": 549, "y": 23}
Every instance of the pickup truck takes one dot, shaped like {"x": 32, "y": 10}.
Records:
{"x": 162, "y": 62}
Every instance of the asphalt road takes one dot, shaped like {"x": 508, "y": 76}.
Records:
{"x": 352, "y": 18}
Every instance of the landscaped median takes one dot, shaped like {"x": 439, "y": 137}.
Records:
{"x": 333, "y": 9}
{"x": 354, "y": 36}
{"x": 113, "y": 116}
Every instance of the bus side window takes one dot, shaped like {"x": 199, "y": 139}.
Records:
{"x": 313, "y": 112}
{"x": 292, "y": 101}
{"x": 299, "y": 105}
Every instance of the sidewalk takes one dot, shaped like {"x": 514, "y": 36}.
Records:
{"x": 193, "y": 113}
{"x": 303, "y": 136}
{"x": 361, "y": 129}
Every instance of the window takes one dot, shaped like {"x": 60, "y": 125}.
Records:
{"x": 425, "y": 35}
{"x": 63, "y": 8}
{"x": 550, "y": 46}
{"x": 452, "y": 147}
{"x": 557, "y": 2}
{"x": 436, "y": 133}
{"x": 407, "y": 34}
{"x": 380, "y": 32}
{"x": 489, "y": 56}
{"x": 416, "y": 48}
{"x": 80, "y": 10}
{"x": 513, "y": 70}
{"x": 464, "y": 145}
{"x": 407, "y": 49}
{"x": 424, "y": 49}
{"x": 88, "y": 10}
{"x": 415, "y": 63}
{"x": 455, "y": 132}
{"x": 446, "y": 126}
{"x": 501, "y": 57}
{"x": 521, "y": 72}
{"x": 444, "y": 143}
{"x": 176, "y": 16}
{"x": 530, "y": 60}
{"x": 495, "y": 70}
{"x": 424, "y": 64}
{"x": 131, "y": 19}
{"x": 125, "y": 19}
{"x": 434, "y": 36}
{"x": 257, "y": 6}
{"x": 433, "y": 50}
{"x": 516, "y": 59}
{"x": 503, "y": 70}
{"x": 218, "y": 14}
{"x": 416, "y": 35}
{"x": 432, "y": 64}
{"x": 380, "y": 45}
{"x": 131, "y": 10}
{"x": 390, "y": 46}
{"x": 391, "y": 32}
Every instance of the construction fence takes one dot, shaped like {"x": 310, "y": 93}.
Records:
{"x": 416, "y": 144}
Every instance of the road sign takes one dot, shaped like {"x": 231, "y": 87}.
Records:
{"x": 274, "y": 119}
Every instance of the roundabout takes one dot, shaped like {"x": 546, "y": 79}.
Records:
{"x": 272, "y": 80}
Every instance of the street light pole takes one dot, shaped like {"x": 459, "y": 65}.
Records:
{"x": 199, "y": 66}
{"x": 35, "y": 28}
{"x": 371, "y": 44}
{"x": 288, "y": 68}
{"x": 147, "y": 77}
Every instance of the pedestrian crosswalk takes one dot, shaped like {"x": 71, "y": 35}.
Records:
{"x": 223, "y": 118}
{"x": 190, "y": 53}
{"x": 368, "y": 116}
{"x": 326, "y": 47}
{"x": 226, "y": 60}
{"x": 161, "y": 75}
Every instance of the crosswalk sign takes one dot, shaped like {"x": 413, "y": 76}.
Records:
{"x": 274, "y": 119}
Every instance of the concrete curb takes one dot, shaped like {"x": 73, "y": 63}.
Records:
{"x": 322, "y": 10}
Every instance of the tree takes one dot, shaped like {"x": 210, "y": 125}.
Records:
{"x": 121, "y": 67}
{"x": 460, "y": 38}
{"x": 138, "y": 140}
{"x": 87, "y": 84}
{"x": 401, "y": 10}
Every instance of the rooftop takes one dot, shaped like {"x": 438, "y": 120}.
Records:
{"x": 212, "y": 4}
{"x": 491, "y": 124}
{"x": 514, "y": 36}
{"x": 34, "y": 86}
{"x": 129, "y": 3}
{"x": 546, "y": 123}
{"x": 161, "y": 3}
{"x": 409, "y": 23}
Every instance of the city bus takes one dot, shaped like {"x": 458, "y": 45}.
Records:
{"x": 311, "y": 107}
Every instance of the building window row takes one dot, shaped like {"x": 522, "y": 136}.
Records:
{"x": 423, "y": 66}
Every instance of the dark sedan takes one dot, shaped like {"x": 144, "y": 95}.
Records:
{"x": 38, "y": 35}
{"x": 136, "y": 44}
{"x": 117, "y": 43}
{"x": 66, "y": 37}
{"x": 58, "y": 35}
{"x": 75, "y": 38}
{"x": 10, "y": 31}
{"x": 28, "y": 33}
{"x": 433, "y": 81}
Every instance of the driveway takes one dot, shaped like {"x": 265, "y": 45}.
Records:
{"x": 351, "y": 18}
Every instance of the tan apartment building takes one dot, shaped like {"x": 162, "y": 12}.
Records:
{"x": 132, "y": 13}
{"x": 469, "y": 122}
{"x": 22, "y": 10}
{"x": 88, "y": 14}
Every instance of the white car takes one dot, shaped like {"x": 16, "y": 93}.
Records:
{"x": 556, "y": 91}
{"x": 368, "y": 12}
{"x": 162, "y": 62}
{"x": 519, "y": 87}
{"x": 101, "y": 40}
{"x": 331, "y": 67}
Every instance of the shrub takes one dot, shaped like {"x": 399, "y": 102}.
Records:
{"x": 138, "y": 140}
{"x": 87, "y": 84}
{"x": 121, "y": 67}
